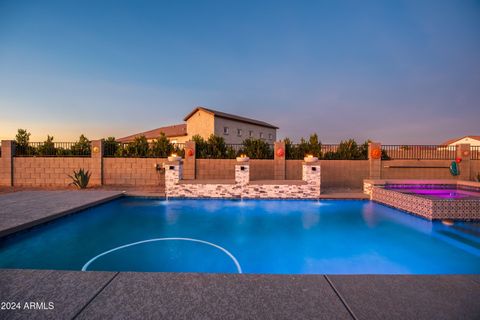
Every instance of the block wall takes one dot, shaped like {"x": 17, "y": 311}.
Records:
{"x": 37, "y": 172}
{"x": 262, "y": 169}
{"x": 133, "y": 171}
{"x": 422, "y": 169}
{"x": 215, "y": 169}
{"x": 474, "y": 169}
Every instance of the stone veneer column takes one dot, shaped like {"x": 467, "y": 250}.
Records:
{"x": 279, "y": 162}
{"x": 6, "y": 163}
{"x": 311, "y": 173}
{"x": 242, "y": 173}
{"x": 173, "y": 174}
{"x": 375, "y": 160}
{"x": 97, "y": 163}
{"x": 463, "y": 152}
{"x": 189, "y": 162}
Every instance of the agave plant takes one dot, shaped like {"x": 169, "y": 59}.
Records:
{"x": 80, "y": 178}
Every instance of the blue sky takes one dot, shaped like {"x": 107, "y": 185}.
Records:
{"x": 392, "y": 71}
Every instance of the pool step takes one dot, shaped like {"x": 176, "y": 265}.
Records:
{"x": 465, "y": 240}
{"x": 474, "y": 231}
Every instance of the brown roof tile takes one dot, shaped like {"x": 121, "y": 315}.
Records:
{"x": 448, "y": 142}
{"x": 170, "y": 131}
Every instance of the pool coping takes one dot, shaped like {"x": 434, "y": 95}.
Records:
{"x": 59, "y": 214}
{"x": 139, "y": 295}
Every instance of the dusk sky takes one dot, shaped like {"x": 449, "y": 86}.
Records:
{"x": 392, "y": 71}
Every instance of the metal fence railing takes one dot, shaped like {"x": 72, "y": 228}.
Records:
{"x": 53, "y": 149}
{"x": 113, "y": 149}
{"x": 475, "y": 152}
{"x": 423, "y": 152}
{"x": 324, "y": 151}
{"x": 231, "y": 151}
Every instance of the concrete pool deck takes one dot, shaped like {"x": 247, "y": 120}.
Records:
{"x": 25, "y": 209}
{"x": 131, "y": 295}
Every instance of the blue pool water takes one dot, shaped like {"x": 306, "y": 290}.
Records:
{"x": 229, "y": 236}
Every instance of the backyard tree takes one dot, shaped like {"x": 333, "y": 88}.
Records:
{"x": 22, "y": 138}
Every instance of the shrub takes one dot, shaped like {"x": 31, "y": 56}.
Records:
{"x": 313, "y": 146}
{"x": 200, "y": 147}
{"x": 348, "y": 150}
{"x": 138, "y": 148}
{"x": 82, "y": 146}
{"x": 212, "y": 148}
{"x": 80, "y": 178}
{"x": 47, "y": 148}
{"x": 110, "y": 146}
{"x": 257, "y": 149}
{"x": 162, "y": 147}
{"x": 216, "y": 147}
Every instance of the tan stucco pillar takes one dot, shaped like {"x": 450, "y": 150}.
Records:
{"x": 189, "y": 161}
{"x": 463, "y": 152}
{"x": 96, "y": 165}
{"x": 279, "y": 161}
{"x": 6, "y": 163}
{"x": 375, "y": 160}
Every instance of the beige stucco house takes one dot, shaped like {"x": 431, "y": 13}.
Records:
{"x": 471, "y": 140}
{"x": 205, "y": 122}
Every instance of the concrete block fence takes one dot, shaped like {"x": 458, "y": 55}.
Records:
{"x": 54, "y": 171}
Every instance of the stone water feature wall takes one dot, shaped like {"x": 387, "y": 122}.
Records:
{"x": 241, "y": 186}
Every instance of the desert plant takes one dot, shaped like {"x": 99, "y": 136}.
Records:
{"x": 80, "y": 178}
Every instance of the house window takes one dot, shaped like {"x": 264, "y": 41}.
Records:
{"x": 270, "y": 136}
{"x": 239, "y": 132}
{"x": 225, "y": 130}
{"x": 250, "y": 133}
{"x": 261, "y": 135}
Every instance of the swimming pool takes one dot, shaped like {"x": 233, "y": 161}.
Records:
{"x": 252, "y": 236}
